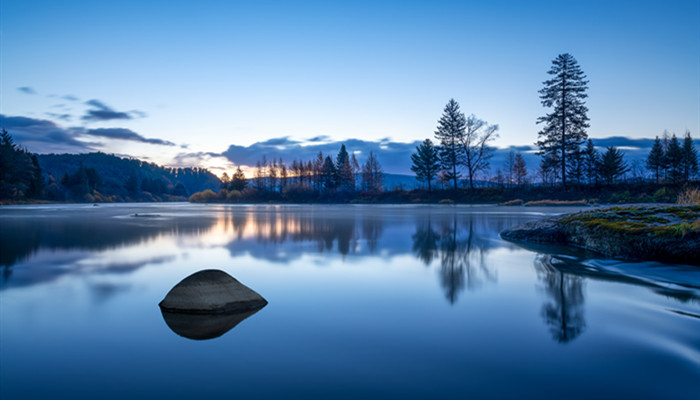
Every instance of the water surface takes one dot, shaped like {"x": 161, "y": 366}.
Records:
{"x": 364, "y": 301}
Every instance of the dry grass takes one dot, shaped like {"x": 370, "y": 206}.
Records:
{"x": 556, "y": 203}
{"x": 515, "y": 202}
{"x": 689, "y": 196}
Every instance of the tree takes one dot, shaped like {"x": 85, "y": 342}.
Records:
{"x": 674, "y": 160}
{"x": 612, "y": 165}
{"x": 591, "y": 160}
{"x": 372, "y": 174}
{"x": 346, "y": 177}
{"x": 426, "y": 162}
{"x": 510, "y": 167}
{"x": 475, "y": 150}
{"x": 450, "y": 132}
{"x": 656, "y": 159}
{"x": 565, "y": 127}
{"x": 238, "y": 180}
{"x": 225, "y": 181}
{"x": 690, "y": 158}
{"x": 329, "y": 175}
{"x": 519, "y": 169}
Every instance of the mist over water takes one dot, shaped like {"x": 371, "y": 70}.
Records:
{"x": 379, "y": 301}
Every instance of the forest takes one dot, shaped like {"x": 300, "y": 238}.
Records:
{"x": 92, "y": 177}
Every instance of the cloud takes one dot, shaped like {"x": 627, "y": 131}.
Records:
{"x": 395, "y": 157}
{"x": 102, "y": 112}
{"x": 26, "y": 90}
{"x": 125, "y": 134}
{"x": 44, "y": 136}
{"x": 63, "y": 117}
{"x": 70, "y": 98}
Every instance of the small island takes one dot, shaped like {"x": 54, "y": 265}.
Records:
{"x": 668, "y": 233}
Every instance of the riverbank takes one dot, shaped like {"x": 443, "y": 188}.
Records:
{"x": 661, "y": 233}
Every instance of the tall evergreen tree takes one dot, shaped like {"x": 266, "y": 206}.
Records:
{"x": 612, "y": 165}
{"x": 656, "y": 159}
{"x": 426, "y": 162}
{"x": 346, "y": 177}
{"x": 690, "y": 158}
{"x": 238, "y": 180}
{"x": 450, "y": 132}
{"x": 674, "y": 160}
{"x": 329, "y": 175}
{"x": 565, "y": 127}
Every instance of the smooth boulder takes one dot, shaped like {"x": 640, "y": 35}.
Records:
{"x": 211, "y": 291}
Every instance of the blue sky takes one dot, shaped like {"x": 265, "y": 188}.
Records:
{"x": 174, "y": 81}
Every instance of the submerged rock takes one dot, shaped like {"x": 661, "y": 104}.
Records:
{"x": 211, "y": 291}
{"x": 668, "y": 233}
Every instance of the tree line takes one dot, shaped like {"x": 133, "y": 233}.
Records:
{"x": 568, "y": 156}
{"x": 322, "y": 177}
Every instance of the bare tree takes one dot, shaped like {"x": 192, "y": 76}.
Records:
{"x": 478, "y": 134}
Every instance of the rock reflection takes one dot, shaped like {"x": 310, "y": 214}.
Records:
{"x": 461, "y": 250}
{"x": 563, "y": 311}
{"x": 203, "y": 326}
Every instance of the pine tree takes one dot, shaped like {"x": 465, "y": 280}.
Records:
{"x": 690, "y": 158}
{"x": 656, "y": 159}
{"x": 450, "y": 132}
{"x": 565, "y": 127}
{"x": 674, "y": 160}
{"x": 225, "y": 181}
{"x": 426, "y": 162}
{"x": 329, "y": 174}
{"x": 346, "y": 178}
{"x": 238, "y": 180}
{"x": 612, "y": 165}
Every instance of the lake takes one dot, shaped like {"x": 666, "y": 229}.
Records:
{"x": 365, "y": 301}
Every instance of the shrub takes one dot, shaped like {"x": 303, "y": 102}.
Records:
{"x": 689, "y": 196}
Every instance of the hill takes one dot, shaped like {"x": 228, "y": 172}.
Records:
{"x": 104, "y": 177}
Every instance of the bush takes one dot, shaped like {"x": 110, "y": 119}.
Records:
{"x": 689, "y": 196}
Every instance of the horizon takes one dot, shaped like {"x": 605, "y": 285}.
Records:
{"x": 248, "y": 78}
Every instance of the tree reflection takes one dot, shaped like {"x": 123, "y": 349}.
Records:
{"x": 563, "y": 311}
{"x": 461, "y": 250}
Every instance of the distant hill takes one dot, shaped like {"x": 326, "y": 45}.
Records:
{"x": 105, "y": 177}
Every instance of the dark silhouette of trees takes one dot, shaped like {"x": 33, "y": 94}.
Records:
{"x": 476, "y": 152}
{"x": 612, "y": 165}
{"x": 591, "y": 160}
{"x": 20, "y": 173}
{"x": 519, "y": 170}
{"x": 238, "y": 180}
{"x": 344, "y": 170}
{"x": 450, "y": 133}
{"x": 565, "y": 127}
{"x": 690, "y": 158}
{"x": 657, "y": 159}
{"x": 372, "y": 174}
{"x": 426, "y": 162}
{"x": 674, "y": 160}
{"x": 329, "y": 175}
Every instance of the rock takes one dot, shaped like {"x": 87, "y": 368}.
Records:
{"x": 211, "y": 291}
{"x": 668, "y": 233}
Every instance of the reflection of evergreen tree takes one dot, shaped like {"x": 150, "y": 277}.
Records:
{"x": 452, "y": 262}
{"x": 563, "y": 311}
{"x": 372, "y": 228}
{"x": 425, "y": 242}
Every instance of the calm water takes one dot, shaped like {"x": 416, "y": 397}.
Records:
{"x": 364, "y": 302}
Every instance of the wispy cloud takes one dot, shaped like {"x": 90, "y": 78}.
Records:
{"x": 27, "y": 90}
{"x": 125, "y": 134}
{"x": 102, "y": 112}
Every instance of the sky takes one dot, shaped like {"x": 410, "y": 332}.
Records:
{"x": 219, "y": 83}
